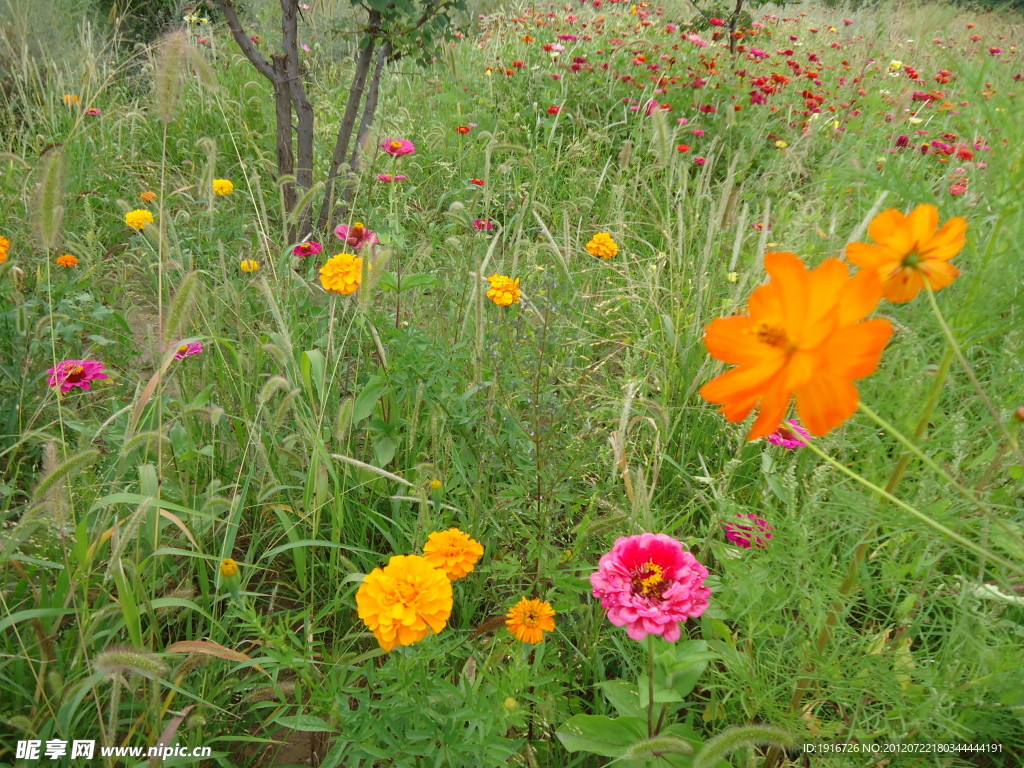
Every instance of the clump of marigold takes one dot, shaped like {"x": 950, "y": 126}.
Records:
{"x": 911, "y": 251}
{"x": 248, "y": 265}
{"x": 67, "y": 261}
{"x": 404, "y": 601}
{"x": 602, "y": 245}
{"x": 342, "y": 273}
{"x": 530, "y": 619}
{"x": 453, "y": 552}
{"x": 4, "y": 245}
{"x": 222, "y": 187}
{"x": 138, "y": 219}
{"x": 504, "y": 291}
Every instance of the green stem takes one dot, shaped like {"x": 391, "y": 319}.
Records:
{"x": 929, "y": 521}
{"x": 1007, "y": 435}
{"x": 650, "y": 686}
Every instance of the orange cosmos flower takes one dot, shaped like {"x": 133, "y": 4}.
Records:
{"x": 805, "y": 335}
{"x": 910, "y": 252}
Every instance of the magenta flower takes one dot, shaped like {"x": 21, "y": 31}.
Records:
{"x": 789, "y": 435}
{"x": 744, "y": 535}
{"x": 388, "y": 178}
{"x": 69, "y": 374}
{"x": 187, "y": 350}
{"x": 310, "y": 248}
{"x": 398, "y": 147}
{"x": 649, "y": 584}
{"x": 357, "y": 235}
{"x": 483, "y": 224}
{"x": 92, "y": 112}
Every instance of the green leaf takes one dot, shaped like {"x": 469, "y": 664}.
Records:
{"x": 368, "y": 398}
{"x": 384, "y": 448}
{"x": 305, "y": 723}
{"x": 419, "y": 281}
{"x": 312, "y": 365}
{"x": 623, "y": 697}
{"x": 600, "y": 735}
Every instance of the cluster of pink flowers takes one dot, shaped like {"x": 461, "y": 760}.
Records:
{"x": 743, "y": 535}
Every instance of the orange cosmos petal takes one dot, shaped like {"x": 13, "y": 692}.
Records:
{"x": 825, "y": 402}
{"x": 765, "y": 303}
{"x": 859, "y": 297}
{"x": 939, "y": 273}
{"x": 730, "y": 340}
{"x": 947, "y": 242}
{"x": 772, "y": 409}
{"x": 867, "y": 256}
{"x": 922, "y": 223}
{"x": 854, "y": 352}
{"x": 903, "y": 286}
{"x": 889, "y": 229}
{"x": 789, "y": 274}
{"x": 740, "y": 384}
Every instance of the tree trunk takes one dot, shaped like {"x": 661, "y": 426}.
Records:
{"x": 348, "y": 121}
{"x": 300, "y": 104}
{"x": 283, "y": 139}
{"x": 369, "y": 110}
{"x": 732, "y": 25}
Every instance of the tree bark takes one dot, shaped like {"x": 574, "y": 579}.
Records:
{"x": 348, "y": 121}
{"x": 732, "y": 25}
{"x": 283, "y": 138}
{"x": 300, "y": 104}
{"x": 355, "y": 161}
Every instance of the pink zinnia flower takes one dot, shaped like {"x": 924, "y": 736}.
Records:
{"x": 388, "y": 178}
{"x": 187, "y": 350}
{"x": 744, "y": 535}
{"x": 398, "y": 147}
{"x": 483, "y": 224}
{"x": 69, "y": 374}
{"x": 310, "y": 248}
{"x": 649, "y": 584}
{"x": 790, "y": 435}
{"x": 92, "y": 112}
{"x": 357, "y": 235}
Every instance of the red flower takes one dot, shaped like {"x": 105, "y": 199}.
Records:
{"x": 463, "y": 129}
{"x": 554, "y": 110}
{"x": 477, "y": 182}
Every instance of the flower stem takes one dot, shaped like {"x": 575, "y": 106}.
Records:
{"x": 926, "y": 519}
{"x": 650, "y": 686}
{"x": 1011, "y": 441}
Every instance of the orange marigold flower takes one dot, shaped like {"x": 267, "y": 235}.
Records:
{"x": 530, "y": 619}
{"x": 602, "y": 245}
{"x": 342, "y": 273}
{"x": 910, "y": 253}
{"x": 504, "y": 291}
{"x": 148, "y": 197}
{"x": 405, "y": 601}
{"x": 804, "y": 335}
{"x": 67, "y": 260}
{"x": 452, "y": 551}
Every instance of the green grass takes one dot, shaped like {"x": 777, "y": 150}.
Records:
{"x": 303, "y": 440}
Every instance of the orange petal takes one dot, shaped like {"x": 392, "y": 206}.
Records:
{"x": 922, "y": 222}
{"x": 825, "y": 402}
{"x": 825, "y": 284}
{"x": 789, "y": 274}
{"x": 889, "y": 229}
{"x": 730, "y": 340}
{"x": 947, "y": 242}
{"x": 868, "y": 256}
{"x": 860, "y": 296}
{"x": 903, "y": 286}
{"x": 772, "y": 409}
{"x": 939, "y": 273}
{"x": 854, "y": 352}
{"x": 741, "y": 383}
{"x": 765, "y": 303}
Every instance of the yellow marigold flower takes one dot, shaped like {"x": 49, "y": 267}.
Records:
{"x": 405, "y": 601}
{"x": 148, "y": 197}
{"x": 780, "y": 144}
{"x": 248, "y": 265}
{"x": 530, "y": 619}
{"x": 4, "y": 243}
{"x": 342, "y": 273}
{"x": 228, "y": 568}
{"x": 71, "y": 99}
{"x": 138, "y": 219}
{"x": 435, "y": 484}
{"x": 3, "y": 256}
{"x": 222, "y": 187}
{"x": 452, "y": 551}
{"x": 504, "y": 291}
{"x": 67, "y": 260}
{"x": 602, "y": 245}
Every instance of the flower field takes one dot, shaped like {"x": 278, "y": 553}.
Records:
{"x": 648, "y": 391}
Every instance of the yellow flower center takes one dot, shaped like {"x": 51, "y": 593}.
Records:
{"x": 396, "y": 145}
{"x": 772, "y": 335}
{"x": 528, "y": 618}
{"x": 183, "y": 348}
{"x": 76, "y": 372}
{"x": 649, "y": 580}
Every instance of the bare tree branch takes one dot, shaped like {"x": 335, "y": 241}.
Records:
{"x": 247, "y": 46}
